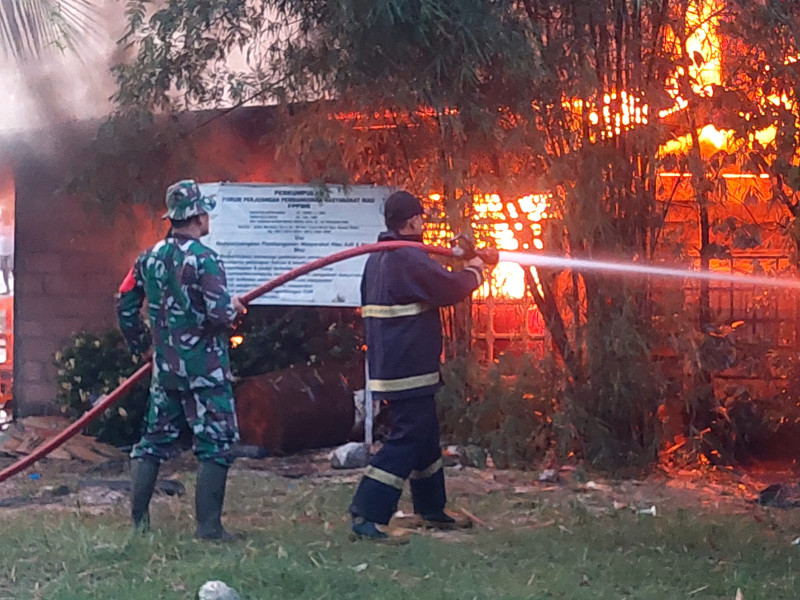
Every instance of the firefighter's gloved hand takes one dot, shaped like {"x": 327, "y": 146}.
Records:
{"x": 240, "y": 306}
{"x": 476, "y": 262}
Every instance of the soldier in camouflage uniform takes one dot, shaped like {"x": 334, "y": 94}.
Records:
{"x": 190, "y": 314}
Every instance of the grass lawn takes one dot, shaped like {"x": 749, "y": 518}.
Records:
{"x": 297, "y": 547}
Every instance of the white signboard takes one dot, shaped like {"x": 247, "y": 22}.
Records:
{"x": 264, "y": 230}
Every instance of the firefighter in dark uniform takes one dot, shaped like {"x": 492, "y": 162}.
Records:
{"x": 401, "y": 293}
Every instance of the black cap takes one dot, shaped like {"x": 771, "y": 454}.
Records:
{"x": 399, "y": 208}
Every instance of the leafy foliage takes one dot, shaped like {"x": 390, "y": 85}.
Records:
{"x": 459, "y": 98}
{"x": 507, "y": 408}
{"x": 273, "y": 340}
{"x": 32, "y": 27}
{"x": 91, "y": 366}
{"x": 182, "y": 50}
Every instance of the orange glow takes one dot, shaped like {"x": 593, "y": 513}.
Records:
{"x": 715, "y": 137}
{"x": 503, "y": 224}
{"x": 703, "y": 48}
{"x": 670, "y": 175}
{"x": 508, "y": 279}
{"x": 616, "y": 113}
{"x": 718, "y": 140}
{"x": 236, "y": 340}
{"x": 713, "y": 140}
{"x": 389, "y": 119}
{"x": 702, "y": 20}
{"x": 766, "y": 136}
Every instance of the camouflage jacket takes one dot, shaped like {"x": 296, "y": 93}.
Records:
{"x": 190, "y": 312}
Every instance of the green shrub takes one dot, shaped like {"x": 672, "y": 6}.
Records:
{"x": 91, "y": 366}
{"x": 273, "y": 340}
{"x": 612, "y": 408}
{"x": 506, "y": 408}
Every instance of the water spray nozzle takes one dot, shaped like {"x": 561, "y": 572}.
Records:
{"x": 490, "y": 256}
{"x": 464, "y": 248}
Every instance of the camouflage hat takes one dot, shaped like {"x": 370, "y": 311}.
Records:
{"x": 185, "y": 200}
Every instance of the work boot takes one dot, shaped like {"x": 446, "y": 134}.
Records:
{"x": 444, "y": 519}
{"x": 361, "y": 529}
{"x": 209, "y": 497}
{"x": 144, "y": 474}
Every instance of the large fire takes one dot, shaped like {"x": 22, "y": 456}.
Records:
{"x": 703, "y": 48}
{"x": 515, "y": 224}
{"x": 509, "y": 224}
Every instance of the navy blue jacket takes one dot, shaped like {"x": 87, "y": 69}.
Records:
{"x": 401, "y": 292}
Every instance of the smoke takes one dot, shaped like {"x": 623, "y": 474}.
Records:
{"x": 62, "y": 84}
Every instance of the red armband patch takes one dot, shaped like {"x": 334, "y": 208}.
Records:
{"x": 128, "y": 283}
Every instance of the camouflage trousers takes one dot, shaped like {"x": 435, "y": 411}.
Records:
{"x": 208, "y": 412}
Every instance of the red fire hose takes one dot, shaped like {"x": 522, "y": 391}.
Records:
{"x": 47, "y": 447}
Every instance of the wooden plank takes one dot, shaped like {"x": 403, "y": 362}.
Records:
{"x": 79, "y": 449}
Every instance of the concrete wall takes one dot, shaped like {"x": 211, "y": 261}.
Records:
{"x": 71, "y": 258}
{"x": 69, "y": 263}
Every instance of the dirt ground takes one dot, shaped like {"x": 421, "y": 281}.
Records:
{"x": 54, "y": 485}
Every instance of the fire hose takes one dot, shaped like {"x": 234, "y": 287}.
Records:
{"x": 463, "y": 249}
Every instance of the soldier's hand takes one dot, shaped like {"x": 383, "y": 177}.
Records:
{"x": 476, "y": 262}
{"x": 145, "y": 356}
{"x": 239, "y": 305}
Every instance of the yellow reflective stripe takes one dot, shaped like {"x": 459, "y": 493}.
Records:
{"x": 430, "y": 471}
{"x": 379, "y": 311}
{"x": 405, "y": 383}
{"x": 384, "y": 477}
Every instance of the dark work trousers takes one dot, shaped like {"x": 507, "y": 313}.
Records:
{"x": 411, "y": 451}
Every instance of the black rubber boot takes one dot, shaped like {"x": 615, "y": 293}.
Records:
{"x": 360, "y": 529}
{"x": 366, "y": 529}
{"x": 144, "y": 474}
{"x": 443, "y": 519}
{"x": 209, "y": 497}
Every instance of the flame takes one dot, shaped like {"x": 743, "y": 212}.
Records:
{"x": 507, "y": 231}
{"x": 704, "y": 44}
{"x": 767, "y": 135}
{"x": 613, "y": 114}
{"x": 503, "y": 224}
{"x": 708, "y": 135}
{"x": 702, "y": 17}
{"x": 236, "y": 340}
{"x": 714, "y": 139}
{"x": 703, "y": 48}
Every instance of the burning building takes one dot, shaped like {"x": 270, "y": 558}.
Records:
{"x": 67, "y": 277}
{"x": 717, "y": 200}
